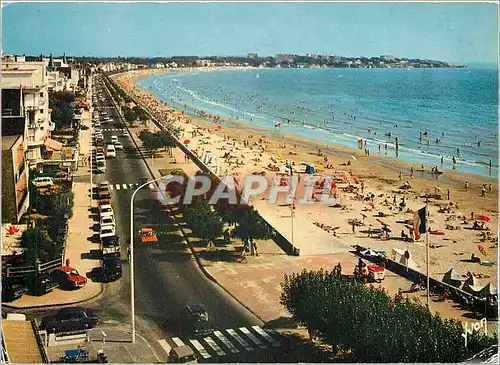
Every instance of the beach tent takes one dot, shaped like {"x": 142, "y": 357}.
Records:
{"x": 310, "y": 169}
{"x": 369, "y": 252}
{"x": 453, "y": 279}
{"x": 408, "y": 262}
{"x": 472, "y": 285}
{"x": 488, "y": 290}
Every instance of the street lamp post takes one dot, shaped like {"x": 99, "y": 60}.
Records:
{"x": 132, "y": 276}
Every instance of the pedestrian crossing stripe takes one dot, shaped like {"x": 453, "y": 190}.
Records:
{"x": 164, "y": 344}
{"x": 238, "y": 338}
{"x": 128, "y": 186}
{"x": 251, "y": 336}
{"x": 200, "y": 349}
{"x": 264, "y": 334}
{"x": 214, "y": 346}
{"x": 178, "y": 341}
{"x": 226, "y": 342}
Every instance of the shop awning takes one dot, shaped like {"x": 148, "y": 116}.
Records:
{"x": 53, "y": 144}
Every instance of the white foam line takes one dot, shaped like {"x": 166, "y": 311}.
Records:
{"x": 198, "y": 346}
{"x": 164, "y": 344}
{"x": 178, "y": 341}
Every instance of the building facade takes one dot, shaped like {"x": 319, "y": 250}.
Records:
{"x": 27, "y": 82}
{"x": 15, "y": 194}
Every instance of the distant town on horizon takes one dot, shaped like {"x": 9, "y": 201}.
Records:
{"x": 283, "y": 60}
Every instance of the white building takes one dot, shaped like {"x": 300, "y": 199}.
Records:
{"x": 26, "y": 83}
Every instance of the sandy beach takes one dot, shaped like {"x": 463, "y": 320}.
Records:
{"x": 370, "y": 190}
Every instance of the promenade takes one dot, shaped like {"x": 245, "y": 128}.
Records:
{"x": 78, "y": 244}
{"x": 256, "y": 282}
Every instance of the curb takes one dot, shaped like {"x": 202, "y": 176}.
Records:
{"x": 48, "y": 306}
{"x": 198, "y": 260}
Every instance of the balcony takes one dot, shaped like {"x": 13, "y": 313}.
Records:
{"x": 41, "y": 102}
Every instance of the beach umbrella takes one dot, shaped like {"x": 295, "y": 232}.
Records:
{"x": 386, "y": 229}
{"x": 484, "y": 218}
{"x": 187, "y": 141}
{"x": 219, "y": 126}
{"x": 263, "y": 137}
{"x": 482, "y": 249}
{"x": 356, "y": 180}
{"x": 353, "y": 157}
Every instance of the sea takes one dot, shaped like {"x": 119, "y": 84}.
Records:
{"x": 436, "y": 115}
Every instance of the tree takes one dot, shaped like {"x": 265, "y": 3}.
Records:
{"x": 61, "y": 103}
{"x": 367, "y": 322}
{"x": 38, "y": 245}
{"x": 154, "y": 141}
{"x": 204, "y": 222}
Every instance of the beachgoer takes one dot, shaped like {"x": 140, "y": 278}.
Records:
{"x": 442, "y": 160}
{"x": 466, "y": 185}
{"x": 353, "y": 228}
{"x": 489, "y": 188}
{"x": 448, "y": 192}
{"x": 400, "y": 175}
{"x": 483, "y": 191}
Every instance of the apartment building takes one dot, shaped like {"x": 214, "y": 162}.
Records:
{"x": 25, "y": 102}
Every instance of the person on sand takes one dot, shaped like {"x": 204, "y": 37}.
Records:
{"x": 353, "y": 228}
{"x": 448, "y": 192}
{"x": 466, "y": 185}
{"x": 483, "y": 191}
{"x": 489, "y": 188}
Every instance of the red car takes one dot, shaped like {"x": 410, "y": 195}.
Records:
{"x": 69, "y": 278}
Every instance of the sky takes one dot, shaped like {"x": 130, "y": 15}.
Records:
{"x": 451, "y": 32}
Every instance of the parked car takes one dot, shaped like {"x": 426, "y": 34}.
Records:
{"x": 195, "y": 320}
{"x": 106, "y": 231}
{"x": 101, "y": 166}
{"x": 111, "y": 267}
{"x": 118, "y": 145}
{"x": 67, "y": 277}
{"x": 42, "y": 182}
{"x": 110, "y": 151}
{"x": 105, "y": 209}
{"x": 107, "y": 220}
{"x": 104, "y": 197}
{"x": 114, "y": 139}
{"x": 69, "y": 319}
{"x": 84, "y": 127}
{"x": 182, "y": 355}
{"x": 12, "y": 291}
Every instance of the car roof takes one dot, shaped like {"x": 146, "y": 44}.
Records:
{"x": 73, "y": 309}
{"x": 65, "y": 268}
{"x": 146, "y": 229}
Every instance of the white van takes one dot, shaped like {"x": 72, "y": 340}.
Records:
{"x": 41, "y": 182}
{"x": 110, "y": 151}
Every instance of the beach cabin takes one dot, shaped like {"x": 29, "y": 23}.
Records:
{"x": 453, "y": 279}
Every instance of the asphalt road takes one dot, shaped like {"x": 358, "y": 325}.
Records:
{"x": 166, "y": 279}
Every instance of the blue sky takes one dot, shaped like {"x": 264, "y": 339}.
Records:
{"x": 453, "y": 32}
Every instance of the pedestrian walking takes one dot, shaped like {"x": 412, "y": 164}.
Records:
{"x": 254, "y": 246}
{"x": 483, "y": 191}
{"x": 490, "y": 188}
{"x": 448, "y": 192}
{"x": 466, "y": 185}
{"x": 400, "y": 175}
{"x": 128, "y": 254}
{"x": 353, "y": 228}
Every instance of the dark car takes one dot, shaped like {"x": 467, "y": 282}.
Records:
{"x": 12, "y": 291}
{"x": 111, "y": 267}
{"x": 195, "y": 319}
{"x": 83, "y": 127}
{"x": 69, "y": 319}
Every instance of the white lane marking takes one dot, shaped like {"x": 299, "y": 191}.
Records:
{"x": 178, "y": 341}
{"x": 131, "y": 185}
{"x": 238, "y": 338}
{"x": 251, "y": 336}
{"x": 117, "y": 186}
{"x": 264, "y": 334}
{"x": 198, "y": 346}
{"x": 164, "y": 344}
{"x": 214, "y": 346}
{"x": 226, "y": 342}
{"x": 124, "y": 186}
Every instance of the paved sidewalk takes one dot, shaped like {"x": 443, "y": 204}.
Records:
{"x": 78, "y": 247}
{"x": 117, "y": 347}
{"x": 256, "y": 283}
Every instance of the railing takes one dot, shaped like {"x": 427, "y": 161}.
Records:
{"x": 21, "y": 271}
{"x": 39, "y": 342}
